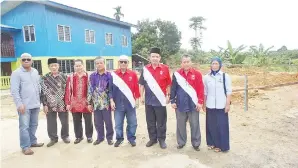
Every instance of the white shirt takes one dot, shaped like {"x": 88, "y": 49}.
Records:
{"x": 214, "y": 90}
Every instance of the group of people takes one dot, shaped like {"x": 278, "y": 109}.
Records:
{"x": 120, "y": 91}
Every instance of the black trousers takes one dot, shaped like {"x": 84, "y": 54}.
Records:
{"x": 156, "y": 118}
{"x": 52, "y": 125}
{"x": 77, "y": 123}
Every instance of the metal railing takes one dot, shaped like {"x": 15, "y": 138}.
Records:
{"x": 5, "y": 82}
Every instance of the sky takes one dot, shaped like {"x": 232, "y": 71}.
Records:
{"x": 248, "y": 22}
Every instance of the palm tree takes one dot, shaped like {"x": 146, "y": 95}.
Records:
{"x": 260, "y": 54}
{"x": 118, "y": 13}
{"x": 195, "y": 43}
{"x": 197, "y": 24}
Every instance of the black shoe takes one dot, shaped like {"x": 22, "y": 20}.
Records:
{"x": 197, "y": 148}
{"x": 97, "y": 142}
{"x": 66, "y": 140}
{"x": 37, "y": 145}
{"x": 89, "y": 140}
{"x": 51, "y": 143}
{"x": 133, "y": 143}
{"x": 162, "y": 144}
{"x": 180, "y": 146}
{"x": 78, "y": 140}
{"x": 118, "y": 142}
{"x": 110, "y": 142}
{"x": 151, "y": 143}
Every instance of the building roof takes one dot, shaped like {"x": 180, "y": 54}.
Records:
{"x": 7, "y": 6}
{"x": 8, "y": 28}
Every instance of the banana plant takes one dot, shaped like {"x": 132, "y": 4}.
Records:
{"x": 260, "y": 54}
{"x": 233, "y": 55}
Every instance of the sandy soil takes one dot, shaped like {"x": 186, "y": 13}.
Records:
{"x": 265, "y": 136}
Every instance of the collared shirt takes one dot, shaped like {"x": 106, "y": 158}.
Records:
{"x": 121, "y": 101}
{"x": 53, "y": 91}
{"x": 25, "y": 88}
{"x": 179, "y": 96}
{"x": 76, "y": 92}
{"x": 100, "y": 90}
{"x": 214, "y": 90}
{"x": 162, "y": 76}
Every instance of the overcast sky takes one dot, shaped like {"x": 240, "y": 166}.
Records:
{"x": 248, "y": 22}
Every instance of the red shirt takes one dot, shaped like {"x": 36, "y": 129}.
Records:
{"x": 194, "y": 78}
{"x": 131, "y": 79}
{"x": 76, "y": 93}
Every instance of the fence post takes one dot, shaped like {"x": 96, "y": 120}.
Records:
{"x": 245, "y": 93}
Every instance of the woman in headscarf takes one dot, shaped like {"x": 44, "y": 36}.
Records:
{"x": 218, "y": 90}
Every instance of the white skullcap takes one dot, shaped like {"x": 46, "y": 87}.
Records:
{"x": 26, "y": 55}
{"x": 123, "y": 57}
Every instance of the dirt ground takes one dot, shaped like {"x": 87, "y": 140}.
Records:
{"x": 265, "y": 136}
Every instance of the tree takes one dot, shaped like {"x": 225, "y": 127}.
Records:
{"x": 118, "y": 14}
{"x": 158, "y": 33}
{"x": 197, "y": 25}
{"x": 260, "y": 54}
{"x": 233, "y": 55}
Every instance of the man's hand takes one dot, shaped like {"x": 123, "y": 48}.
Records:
{"x": 90, "y": 108}
{"x": 174, "y": 105}
{"x": 168, "y": 100}
{"x": 68, "y": 108}
{"x": 204, "y": 108}
{"x": 45, "y": 109}
{"x": 199, "y": 107}
{"x": 227, "y": 108}
{"x": 113, "y": 107}
{"x": 22, "y": 109}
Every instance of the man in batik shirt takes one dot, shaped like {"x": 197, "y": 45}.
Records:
{"x": 53, "y": 90}
{"x": 76, "y": 102}
{"x": 100, "y": 100}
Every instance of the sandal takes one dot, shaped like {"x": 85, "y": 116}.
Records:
{"x": 211, "y": 147}
{"x": 217, "y": 150}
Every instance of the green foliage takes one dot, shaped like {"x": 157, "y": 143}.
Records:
{"x": 260, "y": 54}
{"x": 196, "y": 23}
{"x": 118, "y": 14}
{"x": 232, "y": 55}
{"x": 158, "y": 33}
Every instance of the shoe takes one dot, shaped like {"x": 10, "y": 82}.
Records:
{"x": 133, "y": 143}
{"x": 162, "y": 144}
{"x": 110, "y": 142}
{"x": 66, "y": 140}
{"x": 118, "y": 142}
{"x": 51, "y": 143}
{"x": 78, "y": 140}
{"x": 180, "y": 146}
{"x": 89, "y": 140}
{"x": 37, "y": 145}
{"x": 197, "y": 148}
{"x": 28, "y": 152}
{"x": 97, "y": 142}
{"x": 151, "y": 143}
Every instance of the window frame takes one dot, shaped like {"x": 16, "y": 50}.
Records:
{"x": 24, "y": 37}
{"x": 106, "y": 62}
{"x": 89, "y": 34}
{"x": 122, "y": 40}
{"x": 63, "y": 61}
{"x": 106, "y": 37}
{"x": 87, "y": 63}
{"x": 64, "y": 36}
{"x": 39, "y": 69}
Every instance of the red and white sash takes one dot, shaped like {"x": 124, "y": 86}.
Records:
{"x": 154, "y": 86}
{"x": 123, "y": 87}
{"x": 182, "y": 82}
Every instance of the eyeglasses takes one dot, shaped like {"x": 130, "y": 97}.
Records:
{"x": 26, "y": 59}
{"x": 123, "y": 62}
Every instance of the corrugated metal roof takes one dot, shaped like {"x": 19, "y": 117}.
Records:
{"x": 6, "y": 6}
{"x": 6, "y": 26}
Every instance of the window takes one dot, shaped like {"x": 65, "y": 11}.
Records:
{"x": 66, "y": 66}
{"x": 64, "y": 33}
{"x": 29, "y": 33}
{"x": 90, "y": 65}
{"x": 109, "y": 64}
{"x": 90, "y": 36}
{"x": 124, "y": 41}
{"x": 37, "y": 65}
{"x": 109, "y": 39}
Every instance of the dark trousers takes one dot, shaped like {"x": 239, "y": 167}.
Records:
{"x": 52, "y": 125}
{"x": 102, "y": 117}
{"x": 156, "y": 118}
{"x": 77, "y": 123}
{"x": 217, "y": 129}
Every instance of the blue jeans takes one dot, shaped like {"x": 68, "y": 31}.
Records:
{"x": 28, "y": 123}
{"x": 131, "y": 124}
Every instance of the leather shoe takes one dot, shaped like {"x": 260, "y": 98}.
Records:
{"x": 28, "y": 152}
{"x": 180, "y": 146}
{"x": 97, "y": 142}
{"x": 66, "y": 140}
{"x": 162, "y": 144}
{"x": 151, "y": 143}
{"x": 133, "y": 143}
{"x": 117, "y": 143}
{"x": 37, "y": 145}
{"x": 89, "y": 140}
{"x": 51, "y": 143}
{"x": 110, "y": 142}
{"x": 197, "y": 148}
{"x": 78, "y": 140}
